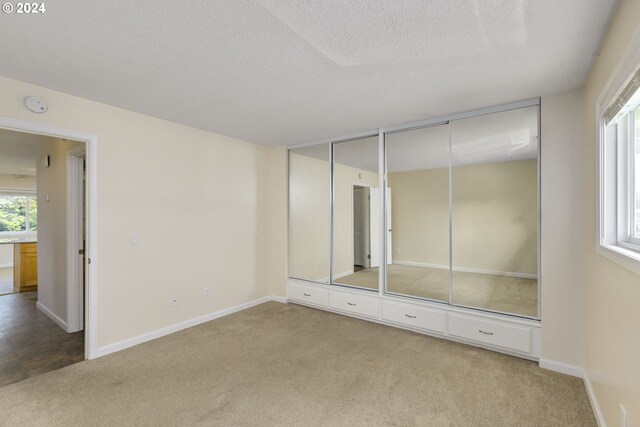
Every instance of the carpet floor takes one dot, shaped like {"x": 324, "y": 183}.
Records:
{"x": 285, "y": 364}
{"x": 487, "y": 291}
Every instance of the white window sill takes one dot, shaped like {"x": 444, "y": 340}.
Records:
{"x": 627, "y": 258}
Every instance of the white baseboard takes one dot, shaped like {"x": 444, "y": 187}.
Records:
{"x": 575, "y": 371}
{"x": 278, "y": 298}
{"x": 325, "y": 279}
{"x": 51, "y": 315}
{"x": 130, "y": 342}
{"x": 466, "y": 270}
{"x": 563, "y": 368}
{"x": 594, "y": 402}
{"x": 344, "y": 273}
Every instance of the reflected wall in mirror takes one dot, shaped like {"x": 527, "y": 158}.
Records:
{"x": 494, "y": 187}
{"x": 418, "y": 177}
{"x": 356, "y": 213}
{"x": 309, "y": 210}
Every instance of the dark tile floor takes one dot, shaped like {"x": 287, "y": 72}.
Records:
{"x": 31, "y": 344}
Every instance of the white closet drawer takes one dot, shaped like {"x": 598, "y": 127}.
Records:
{"x": 308, "y": 294}
{"x": 499, "y": 334}
{"x": 358, "y": 304}
{"x": 411, "y": 315}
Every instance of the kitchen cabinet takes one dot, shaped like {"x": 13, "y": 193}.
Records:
{"x": 25, "y": 267}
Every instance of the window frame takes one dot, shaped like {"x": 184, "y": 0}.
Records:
{"x": 29, "y": 195}
{"x": 611, "y": 242}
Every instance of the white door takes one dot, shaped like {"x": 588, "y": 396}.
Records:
{"x": 375, "y": 225}
{"x": 388, "y": 225}
{"x": 360, "y": 226}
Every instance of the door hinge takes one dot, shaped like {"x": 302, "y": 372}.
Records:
{"x": 369, "y": 256}
{"x": 81, "y": 252}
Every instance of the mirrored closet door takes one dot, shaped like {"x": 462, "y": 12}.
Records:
{"x": 494, "y": 211}
{"x": 309, "y": 201}
{"x": 357, "y": 204}
{"x": 456, "y": 224}
{"x": 418, "y": 185}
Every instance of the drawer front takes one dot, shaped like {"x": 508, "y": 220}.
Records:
{"x": 410, "y": 315}
{"x": 358, "y": 304}
{"x": 308, "y": 294}
{"x": 28, "y": 248}
{"x": 507, "y": 336}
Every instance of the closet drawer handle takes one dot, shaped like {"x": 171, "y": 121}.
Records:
{"x": 350, "y": 303}
{"x": 306, "y": 295}
{"x": 410, "y": 317}
{"x": 485, "y": 332}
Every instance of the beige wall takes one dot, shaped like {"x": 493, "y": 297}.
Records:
{"x": 612, "y": 310}
{"x": 199, "y": 201}
{"x": 420, "y": 216}
{"x": 52, "y": 226}
{"x": 562, "y": 240}
{"x": 492, "y": 202}
{"x": 277, "y": 249}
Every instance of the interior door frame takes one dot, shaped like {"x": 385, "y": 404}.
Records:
{"x": 75, "y": 284}
{"x": 91, "y": 200}
{"x": 367, "y": 238}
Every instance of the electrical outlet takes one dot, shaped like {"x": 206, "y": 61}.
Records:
{"x": 207, "y": 292}
{"x": 135, "y": 239}
{"x": 173, "y": 301}
{"x": 623, "y": 416}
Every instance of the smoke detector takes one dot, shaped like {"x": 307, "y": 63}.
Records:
{"x": 35, "y": 104}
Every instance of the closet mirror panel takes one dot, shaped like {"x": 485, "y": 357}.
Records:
{"x": 356, "y": 213}
{"x": 309, "y": 211}
{"x": 418, "y": 212}
{"x": 494, "y": 190}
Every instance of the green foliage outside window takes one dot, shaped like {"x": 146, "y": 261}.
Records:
{"x": 18, "y": 213}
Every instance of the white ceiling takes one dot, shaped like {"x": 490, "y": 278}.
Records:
{"x": 19, "y": 152}
{"x": 291, "y": 71}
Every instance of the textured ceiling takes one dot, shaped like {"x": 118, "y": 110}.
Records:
{"x": 292, "y": 71}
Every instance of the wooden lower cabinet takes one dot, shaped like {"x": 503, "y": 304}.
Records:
{"x": 25, "y": 267}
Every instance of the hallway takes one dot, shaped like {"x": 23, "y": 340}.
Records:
{"x": 31, "y": 344}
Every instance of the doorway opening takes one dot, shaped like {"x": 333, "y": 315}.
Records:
{"x": 50, "y": 305}
{"x": 361, "y": 228}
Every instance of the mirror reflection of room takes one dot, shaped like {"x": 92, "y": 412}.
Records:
{"x": 494, "y": 180}
{"x": 418, "y": 177}
{"x": 309, "y": 193}
{"x": 357, "y": 205}
{"x": 487, "y": 200}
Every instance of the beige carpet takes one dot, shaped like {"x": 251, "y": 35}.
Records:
{"x": 486, "y": 291}
{"x": 284, "y": 364}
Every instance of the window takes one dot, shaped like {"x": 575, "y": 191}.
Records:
{"x": 635, "y": 202}
{"x": 619, "y": 190}
{"x": 18, "y": 213}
